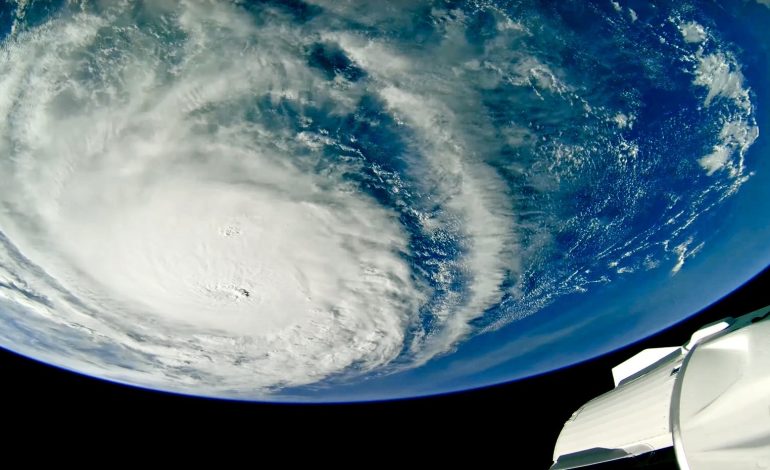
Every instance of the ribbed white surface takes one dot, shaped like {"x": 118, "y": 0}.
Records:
{"x": 633, "y": 417}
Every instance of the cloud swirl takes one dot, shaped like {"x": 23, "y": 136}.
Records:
{"x": 232, "y": 198}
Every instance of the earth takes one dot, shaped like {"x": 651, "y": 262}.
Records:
{"x": 329, "y": 200}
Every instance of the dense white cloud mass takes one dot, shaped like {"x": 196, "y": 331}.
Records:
{"x": 133, "y": 190}
{"x": 235, "y": 198}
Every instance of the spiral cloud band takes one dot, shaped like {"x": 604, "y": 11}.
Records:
{"x": 232, "y": 199}
{"x": 216, "y": 228}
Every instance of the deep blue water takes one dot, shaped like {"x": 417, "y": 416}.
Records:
{"x": 598, "y": 209}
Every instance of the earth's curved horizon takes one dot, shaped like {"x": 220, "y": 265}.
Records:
{"x": 350, "y": 201}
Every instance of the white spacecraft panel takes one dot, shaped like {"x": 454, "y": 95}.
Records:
{"x": 721, "y": 408}
{"x": 710, "y": 399}
{"x": 630, "y": 420}
{"x": 639, "y": 362}
{"x": 709, "y": 330}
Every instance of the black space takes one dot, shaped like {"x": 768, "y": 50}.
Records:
{"x": 516, "y": 422}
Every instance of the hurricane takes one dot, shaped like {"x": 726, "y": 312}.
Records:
{"x": 237, "y": 199}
